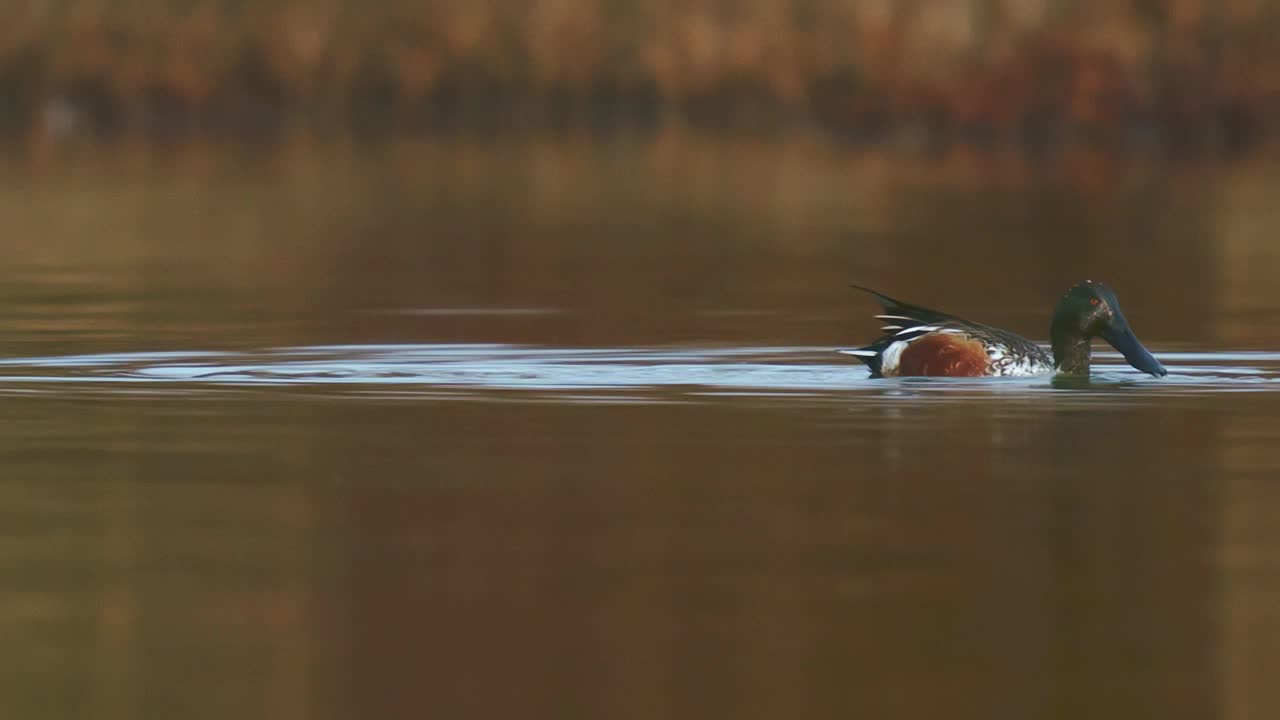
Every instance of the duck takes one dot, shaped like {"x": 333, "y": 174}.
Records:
{"x": 917, "y": 341}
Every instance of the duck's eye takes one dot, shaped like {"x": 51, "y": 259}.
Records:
{"x": 1093, "y": 301}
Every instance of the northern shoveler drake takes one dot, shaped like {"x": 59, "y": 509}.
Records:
{"x": 919, "y": 341}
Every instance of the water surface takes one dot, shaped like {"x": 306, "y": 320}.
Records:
{"x": 557, "y": 430}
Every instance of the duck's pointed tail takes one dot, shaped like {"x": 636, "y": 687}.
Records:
{"x": 870, "y": 356}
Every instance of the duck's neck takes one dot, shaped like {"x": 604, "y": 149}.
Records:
{"x": 1071, "y": 353}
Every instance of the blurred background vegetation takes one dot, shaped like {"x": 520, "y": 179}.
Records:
{"x": 1180, "y": 74}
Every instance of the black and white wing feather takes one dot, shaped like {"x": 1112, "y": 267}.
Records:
{"x": 904, "y": 323}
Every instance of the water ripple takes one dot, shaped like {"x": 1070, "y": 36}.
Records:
{"x": 614, "y": 374}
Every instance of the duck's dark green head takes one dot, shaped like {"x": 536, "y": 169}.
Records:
{"x": 1091, "y": 310}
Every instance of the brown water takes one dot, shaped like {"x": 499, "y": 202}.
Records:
{"x": 555, "y": 430}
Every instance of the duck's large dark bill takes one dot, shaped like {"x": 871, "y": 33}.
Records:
{"x": 1123, "y": 339}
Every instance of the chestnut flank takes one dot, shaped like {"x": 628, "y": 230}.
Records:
{"x": 944, "y": 354}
